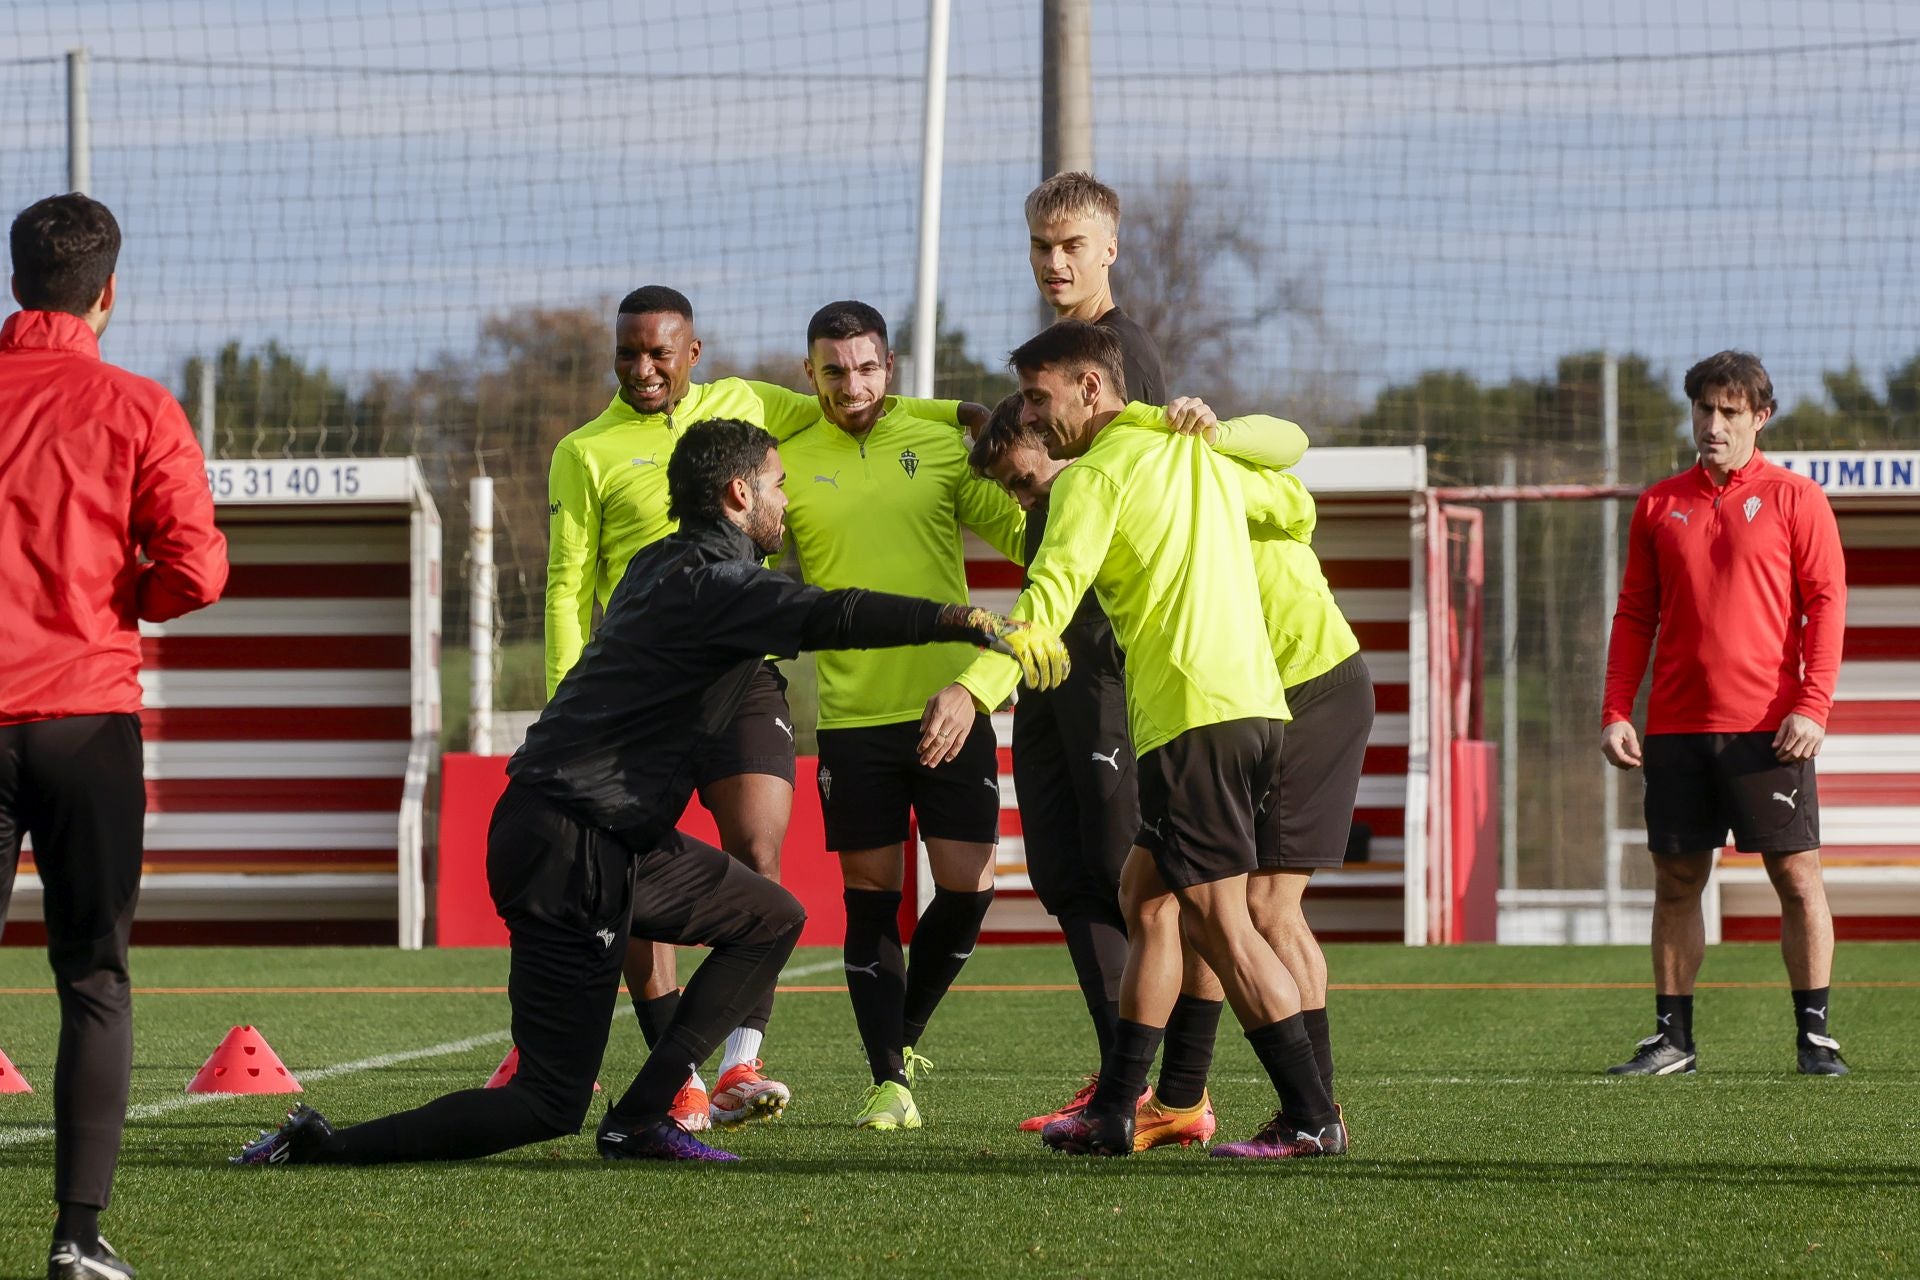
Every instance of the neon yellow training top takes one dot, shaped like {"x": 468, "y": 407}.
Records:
{"x": 1308, "y": 633}
{"x": 607, "y": 493}
{"x": 1157, "y": 525}
{"x": 885, "y": 513}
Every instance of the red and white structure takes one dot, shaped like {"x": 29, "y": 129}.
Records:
{"x": 1869, "y": 769}
{"x": 1371, "y": 541}
{"x": 291, "y": 728}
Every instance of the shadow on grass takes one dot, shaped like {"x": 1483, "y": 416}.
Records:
{"x": 1452, "y": 1172}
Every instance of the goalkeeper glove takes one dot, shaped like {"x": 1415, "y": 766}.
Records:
{"x": 1042, "y": 657}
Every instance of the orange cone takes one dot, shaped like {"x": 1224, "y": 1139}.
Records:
{"x": 509, "y": 1067}
{"x": 11, "y": 1081}
{"x": 244, "y": 1063}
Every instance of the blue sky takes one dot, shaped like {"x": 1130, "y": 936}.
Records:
{"x": 1474, "y": 185}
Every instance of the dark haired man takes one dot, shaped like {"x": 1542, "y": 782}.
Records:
{"x": 1158, "y": 527}
{"x": 108, "y": 522}
{"x": 1735, "y": 565}
{"x": 582, "y": 849}
{"x": 607, "y": 499}
{"x": 1079, "y": 807}
{"x": 880, "y": 496}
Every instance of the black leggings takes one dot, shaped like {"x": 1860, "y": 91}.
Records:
{"x": 570, "y": 895}
{"x": 75, "y": 785}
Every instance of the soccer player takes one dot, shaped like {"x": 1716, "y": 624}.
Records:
{"x": 1158, "y": 527}
{"x": 1309, "y": 814}
{"x": 1073, "y": 238}
{"x": 880, "y": 495}
{"x": 1302, "y": 826}
{"x": 108, "y": 521}
{"x": 1075, "y": 776}
{"x": 607, "y": 496}
{"x": 1735, "y": 565}
{"x": 582, "y": 847}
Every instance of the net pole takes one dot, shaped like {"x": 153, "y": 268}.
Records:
{"x": 79, "y": 132}
{"x": 1610, "y": 575}
{"x": 207, "y": 421}
{"x": 1066, "y": 94}
{"x": 480, "y": 585}
{"x": 932, "y": 157}
{"x": 1509, "y": 690}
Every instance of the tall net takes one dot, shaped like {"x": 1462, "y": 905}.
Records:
{"x": 397, "y": 227}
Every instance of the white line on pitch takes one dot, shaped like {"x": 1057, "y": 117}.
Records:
{"x": 805, "y": 970}
{"x": 151, "y": 1110}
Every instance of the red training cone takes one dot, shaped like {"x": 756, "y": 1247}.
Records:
{"x": 505, "y": 1071}
{"x": 11, "y": 1081}
{"x": 508, "y": 1067}
{"x": 244, "y": 1063}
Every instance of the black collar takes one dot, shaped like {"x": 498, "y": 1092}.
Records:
{"x": 722, "y": 536}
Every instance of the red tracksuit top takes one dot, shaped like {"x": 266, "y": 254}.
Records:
{"x": 98, "y": 467}
{"x": 1747, "y": 589}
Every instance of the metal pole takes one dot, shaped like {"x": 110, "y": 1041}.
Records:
{"x": 932, "y": 150}
{"x": 1509, "y": 682}
{"x": 79, "y": 140}
{"x": 480, "y": 610}
{"x": 1066, "y": 94}
{"x": 1066, "y": 86}
{"x": 1610, "y": 575}
{"x": 206, "y": 406}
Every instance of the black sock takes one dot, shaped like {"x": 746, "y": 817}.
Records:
{"x": 1810, "y": 1010}
{"x": 1124, "y": 1075}
{"x": 655, "y": 1014}
{"x": 1322, "y": 1044}
{"x": 1673, "y": 1018}
{"x": 877, "y": 978}
{"x": 942, "y": 941}
{"x": 1189, "y": 1051}
{"x": 1287, "y": 1053}
{"x": 79, "y": 1223}
{"x": 1098, "y": 949}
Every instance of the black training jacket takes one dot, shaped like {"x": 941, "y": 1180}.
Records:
{"x": 693, "y": 616}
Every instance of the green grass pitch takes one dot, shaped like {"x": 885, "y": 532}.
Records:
{"x": 1486, "y": 1141}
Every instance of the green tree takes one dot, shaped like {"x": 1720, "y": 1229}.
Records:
{"x": 1852, "y": 414}
{"x": 957, "y": 375}
{"x": 1552, "y": 427}
{"x": 267, "y": 402}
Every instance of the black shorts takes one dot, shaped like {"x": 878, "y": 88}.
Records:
{"x": 1309, "y": 813}
{"x": 871, "y": 778}
{"x": 1074, "y": 772}
{"x": 758, "y": 740}
{"x": 1199, "y": 795}
{"x": 1700, "y": 785}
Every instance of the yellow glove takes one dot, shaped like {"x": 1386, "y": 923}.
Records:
{"x": 1042, "y": 657}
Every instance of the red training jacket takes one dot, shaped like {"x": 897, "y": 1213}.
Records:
{"x": 97, "y": 468}
{"x": 1748, "y": 591}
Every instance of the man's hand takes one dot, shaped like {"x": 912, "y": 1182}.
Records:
{"x": 1620, "y": 745}
{"x": 1800, "y": 738}
{"x": 973, "y": 418}
{"x": 1190, "y": 416}
{"x": 945, "y": 725}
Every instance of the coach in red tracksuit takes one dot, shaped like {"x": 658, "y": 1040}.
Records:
{"x": 105, "y": 519}
{"x": 1735, "y": 565}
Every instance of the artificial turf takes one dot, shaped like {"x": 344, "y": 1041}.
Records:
{"x": 1486, "y": 1140}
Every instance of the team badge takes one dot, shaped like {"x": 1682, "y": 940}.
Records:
{"x": 909, "y": 462}
{"x": 826, "y": 784}
{"x": 1752, "y": 508}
